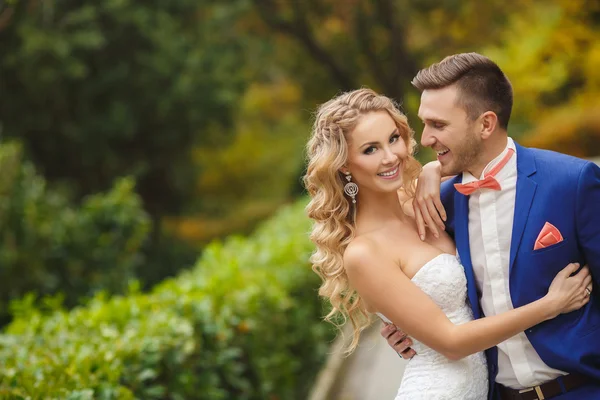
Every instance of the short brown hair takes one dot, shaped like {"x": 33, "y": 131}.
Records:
{"x": 482, "y": 85}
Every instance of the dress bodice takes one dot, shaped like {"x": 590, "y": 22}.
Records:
{"x": 430, "y": 375}
{"x": 443, "y": 280}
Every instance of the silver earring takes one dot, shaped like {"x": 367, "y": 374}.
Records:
{"x": 351, "y": 188}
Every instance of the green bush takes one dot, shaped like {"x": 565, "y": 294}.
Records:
{"x": 49, "y": 246}
{"x": 243, "y": 324}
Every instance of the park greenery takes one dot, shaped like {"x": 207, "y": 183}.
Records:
{"x": 243, "y": 323}
{"x": 137, "y": 137}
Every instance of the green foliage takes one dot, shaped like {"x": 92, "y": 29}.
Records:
{"x": 378, "y": 43}
{"x": 551, "y": 53}
{"x": 243, "y": 324}
{"x": 100, "y": 90}
{"x": 265, "y": 156}
{"x": 49, "y": 246}
{"x": 246, "y": 180}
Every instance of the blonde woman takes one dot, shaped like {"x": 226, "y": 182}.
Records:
{"x": 361, "y": 178}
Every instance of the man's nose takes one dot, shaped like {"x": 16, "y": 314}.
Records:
{"x": 427, "y": 140}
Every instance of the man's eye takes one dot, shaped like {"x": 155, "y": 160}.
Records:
{"x": 438, "y": 126}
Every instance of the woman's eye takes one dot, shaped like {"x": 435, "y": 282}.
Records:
{"x": 370, "y": 150}
{"x": 394, "y": 138}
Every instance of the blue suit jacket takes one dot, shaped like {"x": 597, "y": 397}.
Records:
{"x": 565, "y": 191}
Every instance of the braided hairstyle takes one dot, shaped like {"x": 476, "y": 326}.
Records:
{"x": 330, "y": 209}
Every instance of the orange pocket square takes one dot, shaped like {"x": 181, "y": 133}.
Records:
{"x": 547, "y": 237}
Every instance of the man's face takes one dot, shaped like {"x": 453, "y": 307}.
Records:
{"x": 449, "y": 131}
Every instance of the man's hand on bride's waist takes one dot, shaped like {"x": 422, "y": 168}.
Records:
{"x": 398, "y": 340}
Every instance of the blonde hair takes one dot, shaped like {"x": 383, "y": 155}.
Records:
{"x": 331, "y": 210}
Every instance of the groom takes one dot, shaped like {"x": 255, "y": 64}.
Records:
{"x": 518, "y": 216}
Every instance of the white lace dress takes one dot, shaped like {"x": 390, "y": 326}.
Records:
{"x": 429, "y": 375}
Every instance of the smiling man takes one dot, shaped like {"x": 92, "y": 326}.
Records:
{"x": 517, "y": 215}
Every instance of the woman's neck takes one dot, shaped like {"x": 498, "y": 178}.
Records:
{"x": 376, "y": 209}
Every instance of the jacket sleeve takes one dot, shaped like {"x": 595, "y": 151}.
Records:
{"x": 447, "y": 193}
{"x": 588, "y": 217}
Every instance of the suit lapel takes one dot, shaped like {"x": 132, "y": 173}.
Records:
{"x": 525, "y": 193}
{"x": 461, "y": 221}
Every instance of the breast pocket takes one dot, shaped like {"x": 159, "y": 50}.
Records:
{"x": 549, "y": 261}
{"x": 554, "y": 247}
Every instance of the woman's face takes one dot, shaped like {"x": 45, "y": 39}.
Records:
{"x": 376, "y": 153}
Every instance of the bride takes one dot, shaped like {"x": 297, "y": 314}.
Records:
{"x": 361, "y": 178}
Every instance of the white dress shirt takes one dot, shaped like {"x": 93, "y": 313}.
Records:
{"x": 491, "y": 214}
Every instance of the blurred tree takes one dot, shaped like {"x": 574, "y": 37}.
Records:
{"x": 379, "y": 43}
{"x": 97, "y": 90}
{"x": 551, "y": 53}
{"x": 244, "y": 182}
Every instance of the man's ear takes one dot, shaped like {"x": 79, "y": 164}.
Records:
{"x": 489, "y": 122}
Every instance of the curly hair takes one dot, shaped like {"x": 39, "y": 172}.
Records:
{"x": 331, "y": 210}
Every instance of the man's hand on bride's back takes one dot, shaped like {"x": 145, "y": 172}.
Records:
{"x": 427, "y": 206}
{"x": 398, "y": 341}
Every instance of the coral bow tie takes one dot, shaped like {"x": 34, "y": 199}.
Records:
{"x": 489, "y": 182}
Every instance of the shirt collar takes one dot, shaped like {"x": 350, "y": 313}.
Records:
{"x": 510, "y": 144}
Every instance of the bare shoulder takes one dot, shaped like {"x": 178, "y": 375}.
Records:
{"x": 360, "y": 253}
{"x": 368, "y": 255}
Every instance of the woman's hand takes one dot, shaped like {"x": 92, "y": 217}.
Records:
{"x": 427, "y": 206}
{"x": 569, "y": 293}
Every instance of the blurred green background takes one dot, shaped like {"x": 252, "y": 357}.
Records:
{"x": 135, "y": 133}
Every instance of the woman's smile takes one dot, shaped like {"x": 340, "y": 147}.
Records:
{"x": 390, "y": 173}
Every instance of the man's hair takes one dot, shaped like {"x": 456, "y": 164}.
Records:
{"x": 482, "y": 86}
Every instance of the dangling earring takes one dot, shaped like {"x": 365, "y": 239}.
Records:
{"x": 351, "y": 188}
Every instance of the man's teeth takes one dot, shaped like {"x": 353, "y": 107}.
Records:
{"x": 441, "y": 153}
{"x": 393, "y": 172}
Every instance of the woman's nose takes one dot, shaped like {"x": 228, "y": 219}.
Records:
{"x": 389, "y": 156}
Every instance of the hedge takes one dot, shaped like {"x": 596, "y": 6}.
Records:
{"x": 50, "y": 245}
{"x": 244, "y": 323}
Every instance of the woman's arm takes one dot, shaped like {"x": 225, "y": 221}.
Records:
{"x": 428, "y": 209}
{"x": 383, "y": 285}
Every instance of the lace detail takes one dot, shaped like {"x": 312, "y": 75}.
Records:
{"x": 430, "y": 375}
